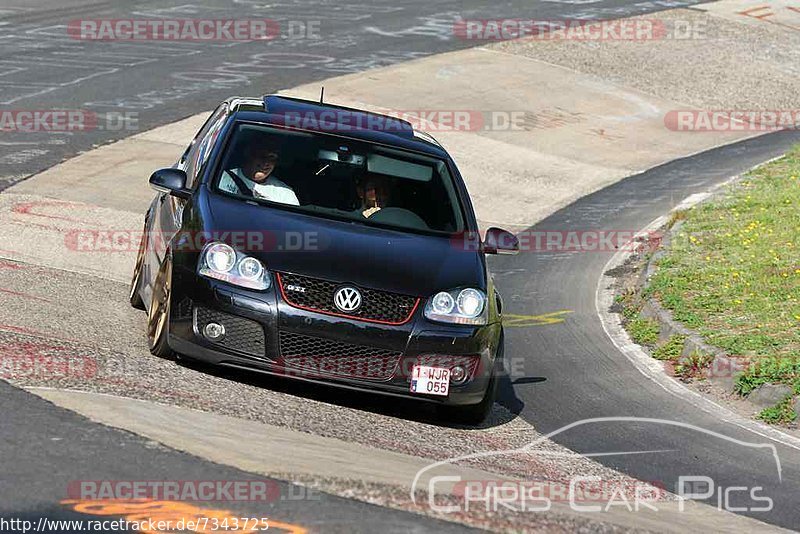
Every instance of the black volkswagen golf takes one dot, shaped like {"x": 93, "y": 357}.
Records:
{"x": 325, "y": 244}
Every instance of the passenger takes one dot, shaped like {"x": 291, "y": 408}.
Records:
{"x": 255, "y": 177}
{"x": 374, "y": 194}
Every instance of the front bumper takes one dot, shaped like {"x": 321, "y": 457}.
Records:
{"x": 265, "y": 334}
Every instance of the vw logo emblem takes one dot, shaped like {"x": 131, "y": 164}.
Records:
{"x": 347, "y": 299}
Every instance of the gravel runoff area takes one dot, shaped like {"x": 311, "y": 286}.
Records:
{"x": 727, "y": 66}
{"x": 118, "y": 363}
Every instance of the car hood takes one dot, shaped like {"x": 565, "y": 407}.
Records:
{"x": 400, "y": 262}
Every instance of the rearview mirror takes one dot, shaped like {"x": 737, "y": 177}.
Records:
{"x": 171, "y": 181}
{"x": 499, "y": 241}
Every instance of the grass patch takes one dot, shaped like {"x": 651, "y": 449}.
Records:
{"x": 643, "y": 331}
{"x": 781, "y": 414}
{"x": 733, "y": 271}
{"x": 671, "y": 349}
{"x": 769, "y": 370}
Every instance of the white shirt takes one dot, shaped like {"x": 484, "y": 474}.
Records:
{"x": 273, "y": 189}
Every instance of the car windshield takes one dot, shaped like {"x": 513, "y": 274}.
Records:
{"x": 340, "y": 178}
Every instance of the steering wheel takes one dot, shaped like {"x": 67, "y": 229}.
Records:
{"x": 399, "y": 217}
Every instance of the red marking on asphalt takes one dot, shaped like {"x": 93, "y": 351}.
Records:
{"x": 757, "y": 12}
{"x": 29, "y": 268}
{"x": 765, "y": 13}
{"x": 23, "y": 295}
{"x": 26, "y": 208}
{"x": 31, "y": 349}
{"x": 32, "y": 332}
{"x": 11, "y": 265}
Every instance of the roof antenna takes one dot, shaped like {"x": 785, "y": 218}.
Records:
{"x": 322, "y": 94}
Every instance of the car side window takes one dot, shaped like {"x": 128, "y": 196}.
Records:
{"x": 198, "y": 152}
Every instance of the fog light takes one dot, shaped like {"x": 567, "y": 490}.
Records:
{"x": 214, "y": 331}
{"x": 458, "y": 375}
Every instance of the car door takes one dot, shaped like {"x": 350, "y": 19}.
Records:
{"x": 167, "y": 215}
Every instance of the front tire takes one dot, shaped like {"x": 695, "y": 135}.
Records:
{"x": 136, "y": 281}
{"x": 158, "y": 314}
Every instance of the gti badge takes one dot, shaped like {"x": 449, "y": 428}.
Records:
{"x": 347, "y": 299}
{"x": 297, "y": 289}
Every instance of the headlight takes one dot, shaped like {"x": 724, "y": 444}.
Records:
{"x": 460, "y": 306}
{"x": 251, "y": 269}
{"x": 221, "y": 262}
{"x": 220, "y": 258}
{"x": 442, "y": 303}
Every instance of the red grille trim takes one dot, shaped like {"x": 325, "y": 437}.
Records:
{"x": 345, "y": 316}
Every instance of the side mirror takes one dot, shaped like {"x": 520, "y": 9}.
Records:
{"x": 499, "y": 241}
{"x": 171, "y": 181}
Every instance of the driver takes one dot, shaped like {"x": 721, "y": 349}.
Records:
{"x": 255, "y": 177}
{"x": 374, "y": 194}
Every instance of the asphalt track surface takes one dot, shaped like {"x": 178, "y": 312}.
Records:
{"x": 572, "y": 371}
{"x": 46, "y": 450}
{"x": 135, "y": 86}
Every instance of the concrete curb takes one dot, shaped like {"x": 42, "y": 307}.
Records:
{"x": 254, "y": 447}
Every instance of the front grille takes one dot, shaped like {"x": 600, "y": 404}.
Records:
{"x": 317, "y": 356}
{"x": 376, "y": 306}
{"x": 242, "y": 335}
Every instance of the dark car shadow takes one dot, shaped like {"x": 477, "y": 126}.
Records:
{"x": 507, "y": 405}
{"x": 507, "y": 395}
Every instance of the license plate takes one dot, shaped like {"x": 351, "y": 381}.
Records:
{"x": 430, "y": 380}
